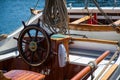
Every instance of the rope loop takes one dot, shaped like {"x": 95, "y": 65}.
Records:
{"x": 92, "y": 64}
{"x": 55, "y": 15}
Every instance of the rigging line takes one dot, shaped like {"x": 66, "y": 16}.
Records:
{"x": 97, "y": 21}
{"x": 70, "y": 7}
{"x": 31, "y": 13}
{"x": 29, "y": 19}
{"x": 36, "y": 4}
{"x": 86, "y": 4}
{"x": 106, "y": 66}
{"x": 86, "y": 7}
{"x": 115, "y": 4}
{"x": 104, "y": 14}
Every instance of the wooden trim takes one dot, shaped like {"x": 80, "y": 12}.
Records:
{"x": 109, "y": 72}
{"x": 117, "y": 23}
{"x": 90, "y": 27}
{"x": 95, "y": 40}
{"x": 24, "y": 75}
{"x": 35, "y": 12}
{"x": 65, "y": 41}
{"x": 87, "y": 69}
{"x": 78, "y": 21}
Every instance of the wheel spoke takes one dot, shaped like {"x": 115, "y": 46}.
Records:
{"x": 24, "y": 41}
{"x": 40, "y": 48}
{"x": 38, "y": 55}
{"x": 32, "y": 57}
{"x": 29, "y": 35}
{"x": 34, "y": 45}
{"x": 36, "y": 35}
{"x": 41, "y": 40}
{"x": 26, "y": 53}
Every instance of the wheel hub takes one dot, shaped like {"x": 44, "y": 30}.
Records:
{"x": 33, "y": 46}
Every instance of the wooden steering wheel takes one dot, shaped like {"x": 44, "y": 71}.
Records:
{"x": 34, "y": 45}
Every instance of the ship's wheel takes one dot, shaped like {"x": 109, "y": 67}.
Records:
{"x": 34, "y": 45}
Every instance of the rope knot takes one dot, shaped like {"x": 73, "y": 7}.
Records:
{"x": 92, "y": 64}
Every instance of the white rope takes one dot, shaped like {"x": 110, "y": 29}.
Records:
{"x": 111, "y": 59}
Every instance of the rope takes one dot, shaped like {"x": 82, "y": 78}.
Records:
{"x": 111, "y": 59}
{"x": 36, "y": 4}
{"x": 55, "y": 16}
{"x": 90, "y": 13}
{"x": 104, "y": 14}
{"x": 31, "y": 13}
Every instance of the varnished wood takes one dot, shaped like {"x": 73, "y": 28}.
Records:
{"x": 2, "y": 77}
{"x": 35, "y": 12}
{"x": 81, "y": 20}
{"x": 109, "y": 72}
{"x": 95, "y": 40}
{"x": 117, "y": 23}
{"x": 64, "y": 41}
{"x": 24, "y": 75}
{"x": 3, "y": 36}
{"x": 90, "y": 27}
{"x": 87, "y": 69}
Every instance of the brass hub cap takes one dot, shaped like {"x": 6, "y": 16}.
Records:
{"x": 33, "y": 46}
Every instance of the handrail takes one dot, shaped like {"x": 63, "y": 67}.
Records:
{"x": 90, "y": 27}
{"x": 96, "y": 40}
{"x": 88, "y": 68}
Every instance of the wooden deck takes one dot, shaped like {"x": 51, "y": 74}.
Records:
{"x": 24, "y": 75}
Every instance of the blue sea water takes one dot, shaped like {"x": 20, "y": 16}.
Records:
{"x": 13, "y": 12}
{"x": 102, "y": 3}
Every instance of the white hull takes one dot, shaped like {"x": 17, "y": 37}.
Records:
{"x": 80, "y": 12}
{"x": 105, "y": 35}
{"x": 11, "y": 43}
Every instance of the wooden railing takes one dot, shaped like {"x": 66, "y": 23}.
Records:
{"x": 90, "y": 27}
{"x": 96, "y": 40}
{"x": 88, "y": 68}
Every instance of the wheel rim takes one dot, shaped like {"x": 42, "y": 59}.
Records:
{"x": 34, "y": 45}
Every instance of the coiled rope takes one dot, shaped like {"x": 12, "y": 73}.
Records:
{"x": 55, "y": 16}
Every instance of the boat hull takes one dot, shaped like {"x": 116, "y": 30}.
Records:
{"x": 56, "y": 71}
{"x": 105, "y": 35}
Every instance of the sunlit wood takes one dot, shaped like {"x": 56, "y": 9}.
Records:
{"x": 81, "y": 19}
{"x": 109, "y": 72}
{"x": 90, "y": 27}
{"x": 95, "y": 40}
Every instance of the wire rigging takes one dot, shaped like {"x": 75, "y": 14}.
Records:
{"x": 104, "y": 14}
{"x": 90, "y": 13}
{"x": 33, "y": 8}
